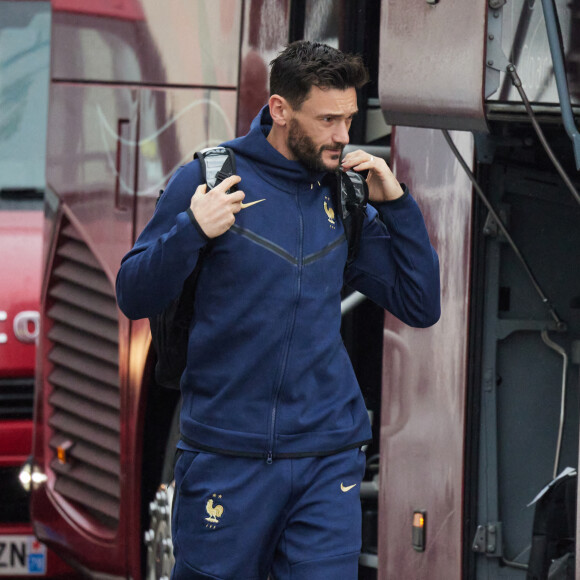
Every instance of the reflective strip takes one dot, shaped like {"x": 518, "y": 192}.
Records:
{"x": 266, "y": 244}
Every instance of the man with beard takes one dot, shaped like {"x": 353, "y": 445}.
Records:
{"x": 272, "y": 417}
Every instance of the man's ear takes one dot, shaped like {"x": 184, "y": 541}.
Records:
{"x": 279, "y": 110}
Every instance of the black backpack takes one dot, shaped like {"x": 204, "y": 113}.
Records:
{"x": 170, "y": 329}
{"x": 554, "y": 530}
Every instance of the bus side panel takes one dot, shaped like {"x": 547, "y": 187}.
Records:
{"x": 424, "y": 376}
{"x": 429, "y": 76}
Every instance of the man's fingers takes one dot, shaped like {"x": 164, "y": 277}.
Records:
{"x": 227, "y": 183}
{"x": 353, "y": 159}
{"x": 235, "y": 200}
{"x": 360, "y": 160}
{"x": 200, "y": 189}
{"x": 236, "y": 197}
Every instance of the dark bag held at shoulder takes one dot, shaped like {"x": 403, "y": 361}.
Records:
{"x": 170, "y": 328}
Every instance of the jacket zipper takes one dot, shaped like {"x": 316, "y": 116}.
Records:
{"x": 290, "y": 331}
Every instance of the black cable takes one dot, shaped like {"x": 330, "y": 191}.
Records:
{"x": 501, "y": 226}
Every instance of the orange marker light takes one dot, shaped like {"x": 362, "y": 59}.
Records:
{"x": 419, "y": 523}
{"x": 62, "y": 452}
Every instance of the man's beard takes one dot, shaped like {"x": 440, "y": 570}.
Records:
{"x": 304, "y": 149}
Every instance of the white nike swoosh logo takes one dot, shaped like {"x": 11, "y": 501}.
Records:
{"x": 245, "y": 205}
{"x": 346, "y": 488}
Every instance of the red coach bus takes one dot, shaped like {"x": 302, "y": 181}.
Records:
{"x": 473, "y": 416}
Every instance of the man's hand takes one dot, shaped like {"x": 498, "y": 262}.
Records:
{"x": 383, "y": 186}
{"x": 215, "y": 210}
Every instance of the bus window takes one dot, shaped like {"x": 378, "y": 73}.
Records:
{"x": 24, "y": 79}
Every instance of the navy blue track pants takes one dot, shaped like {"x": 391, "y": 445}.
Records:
{"x": 237, "y": 518}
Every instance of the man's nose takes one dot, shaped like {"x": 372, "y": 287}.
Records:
{"x": 341, "y": 133}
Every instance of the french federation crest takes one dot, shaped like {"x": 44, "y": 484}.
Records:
{"x": 329, "y": 212}
{"x": 214, "y": 511}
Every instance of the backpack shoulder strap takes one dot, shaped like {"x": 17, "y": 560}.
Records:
{"x": 217, "y": 163}
{"x": 354, "y": 191}
{"x": 353, "y": 199}
{"x": 170, "y": 328}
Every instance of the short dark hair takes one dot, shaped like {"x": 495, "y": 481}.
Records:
{"x": 304, "y": 64}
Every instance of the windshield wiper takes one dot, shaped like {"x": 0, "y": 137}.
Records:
{"x": 16, "y": 193}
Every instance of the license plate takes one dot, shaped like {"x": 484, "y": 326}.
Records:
{"x": 22, "y": 556}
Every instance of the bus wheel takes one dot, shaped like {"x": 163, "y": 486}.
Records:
{"x": 158, "y": 537}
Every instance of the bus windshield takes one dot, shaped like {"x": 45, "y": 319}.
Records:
{"x": 24, "y": 83}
